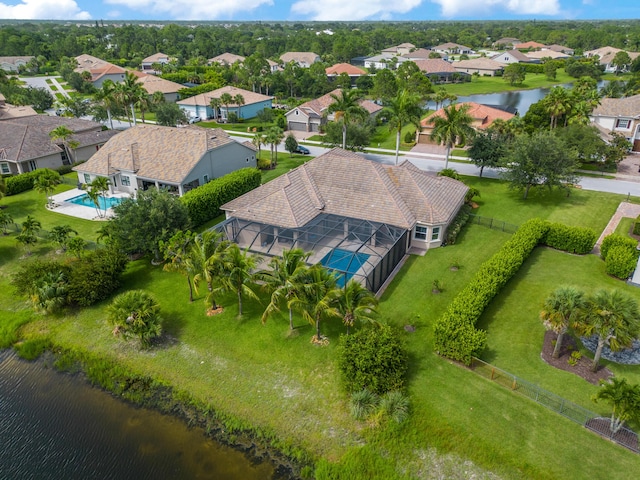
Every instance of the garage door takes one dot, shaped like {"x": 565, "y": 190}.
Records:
{"x": 425, "y": 138}
{"x": 298, "y": 126}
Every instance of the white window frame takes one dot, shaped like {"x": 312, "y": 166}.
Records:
{"x": 125, "y": 181}
{"x": 420, "y": 232}
{"x": 87, "y": 178}
{"x": 435, "y": 234}
{"x": 4, "y": 168}
{"x": 623, "y": 123}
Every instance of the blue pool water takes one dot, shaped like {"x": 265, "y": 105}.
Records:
{"x": 344, "y": 263}
{"x": 85, "y": 201}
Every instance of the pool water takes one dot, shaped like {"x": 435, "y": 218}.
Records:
{"x": 344, "y": 263}
{"x": 105, "y": 203}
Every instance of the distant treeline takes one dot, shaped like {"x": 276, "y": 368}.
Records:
{"x": 127, "y": 44}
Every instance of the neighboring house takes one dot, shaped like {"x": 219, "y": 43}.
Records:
{"x": 25, "y": 144}
{"x": 153, "y": 84}
{"x": 273, "y": 66}
{"x": 560, "y": 48}
{"x": 606, "y": 55}
{"x": 157, "y": 58}
{"x": 8, "y": 111}
{"x": 512, "y": 56}
{"x": 452, "y": 48}
{"x": 358, "y": 217}
{"x": 340, "y": 68}
{"x": 303, "y": 59}
{"x": 481, "y": 66}
{"x": 13, "y": 64}
{"x": 311, "y": 115}
{"x": 440, "y": 71}
{"x": 529, "y": 46}
{"x": 423, "y": 54}
{"x": 621, "y": 115}
{"x": 226, "y": 59}
{"x": 384, "y": 60}
{"x": 100, "y": 70}
{"x": 483, "y": 116}
{"x": 506, "y": 42}
{"x": 402, "y": 49}
{"x": 538, "y": 55}
{"x": 178, "y": 159}
{"x": 200, "y": 105}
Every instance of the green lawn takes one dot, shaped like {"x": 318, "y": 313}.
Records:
{"x": 625, "y": 226}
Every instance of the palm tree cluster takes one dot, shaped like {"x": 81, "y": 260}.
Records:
{"x": 124, "y": 97}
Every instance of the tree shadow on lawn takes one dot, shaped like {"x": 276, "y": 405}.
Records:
{"x": 138, "y": 274}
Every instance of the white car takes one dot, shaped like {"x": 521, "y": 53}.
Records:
{"x": 194, "y": 119}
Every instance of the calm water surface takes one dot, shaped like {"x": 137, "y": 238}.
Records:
{"x": 56, "y": 426}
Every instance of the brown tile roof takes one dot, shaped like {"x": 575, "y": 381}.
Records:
{"x": 538, "y": 54}
{"x": 370, "y": 106}
{"x": 89, "y": 62}
{"x": 344, "y": 183}
{"x": 26, "y": 138}
{"x": 506, "y": 41}
{"x": 435, "y": 65}
{"x": 618, "y": 107}
{"x": 419, "y": 54}
{"x": 396, "y": 47}
{"x": 483, "y": 116}
{"x": 8, "y": 111}
{"x": 560, "y": 48}
{"x": 152, "y": 84}
{"x": 517, "y": 54}
{"x": 226, "y": 59}
{"x": 166, "y": 154}
{"x": 204, "y": 99}
{"x": 318, "y": 106}
{"x": 449, "y": 46}
{"x": 480, "y": 63}
{"x": 156, "y": 57}
{"x": 300, "y": 57}
{"x": 347, "y": 68}
{"x": 530, "y": 44}
{"x": 607, "y": 54}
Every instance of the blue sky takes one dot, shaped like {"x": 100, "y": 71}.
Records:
{"x": 320, "y": 10}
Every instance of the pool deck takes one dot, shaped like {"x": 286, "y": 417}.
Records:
{"x": 80, "y": 211}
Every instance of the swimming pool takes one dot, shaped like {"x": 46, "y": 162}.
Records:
{"x": 104, "y": 203}
{"x": 344, "y": 263}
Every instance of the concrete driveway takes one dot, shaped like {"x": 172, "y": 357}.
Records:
{"x": 41, "y": 82}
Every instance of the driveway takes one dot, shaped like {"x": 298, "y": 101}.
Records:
{"x": 41, "y": 82}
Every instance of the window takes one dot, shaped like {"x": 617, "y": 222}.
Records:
{"x": 247, "y": 159}
{"x": 125, "y": 181}
{"x": 4, "y": 168}
{"x": 205, "y": 179}
{"x": 32, "y": 165}
{"x": 435, "y": 234}
{"x": 420, "y": 233}
{"x": 623, "y": 123}
{"x": 87, "y": 178}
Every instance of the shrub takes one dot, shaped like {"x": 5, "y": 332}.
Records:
{"x": 636, "y": 226}
{"x": 24, "y": 181}
{"x": 456, "y": 225}
{"x": 96, "y": 276}
{"x": 204, "y": 202}
{"x": 135, "y": 313}
{"x": 362, "y": 404}
{"x": 578, "y": 240}
{"x": 29, "y": 275}
{"x": 615, "y": 239}
{"x": 449, "y": 172}
{"x": 410, "y": 136}
{"x": 264, "y": 163}
{"x": 621, "y": 261}
{"x": 374, "y": 359}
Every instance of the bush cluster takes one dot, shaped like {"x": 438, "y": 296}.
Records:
{"x": 24, "y": 181}
{"x": 620, "y": 255}
{"x": 578, "y": 240}
{"x": 456, "y": 225}
{"x": 616, "y": 240}
{"x": 204, "y": 202}
{"x": 636, "y": 226}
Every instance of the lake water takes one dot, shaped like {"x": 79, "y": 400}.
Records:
{"x": 56, "y": 426}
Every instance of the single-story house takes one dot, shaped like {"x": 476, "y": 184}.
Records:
{"x": 155, "y": 59}
{"x": 303, "y": 59}
{"x": 440, "y": 71}
{"x": 529, "y": 46}
{"x": 153, "y": 84}
{"x": 511, "y": 56}
{"x": 200, "y": 105}
{"x": 481, "y": 66}
{"x": 311, "y": 115}
{"x": 452, "y": 48}
{"x": 560, "y": 48}
{"x": 538, "y": 55}
{"x": 384, "y": 60}
{"x": 339, "y": 68}
{"x": 226, "y": 59}
{"x": 423, "y": 54}
{"x": 606, "y": 55}
{"x": 506, "y": 42}
{"x": 483, "y": 116}
{"x": 13, "y": 64}
{"x": 402, "y": 49}
{"x": 100, "y": 70}
{"x": 621, "y": 115}
{"x": 179, "y": 159}
{"x": 360, "y": 218}
{"x": 25, "y": 144}
{"x": 8, "y": 111}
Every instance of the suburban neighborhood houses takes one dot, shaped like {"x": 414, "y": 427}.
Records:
{"x": 346, "y": 249}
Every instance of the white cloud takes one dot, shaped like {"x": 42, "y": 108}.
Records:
{"x": 352, "y": 10}
{"x": 454, "y": 8}
{"x": 44, "y": 9}
{"x": 192, "y": 9}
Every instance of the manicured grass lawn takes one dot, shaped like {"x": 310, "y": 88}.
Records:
{"x": 498, "y": 84}
{"x": 285, "y": 163}
{"x": 625, "y": 226}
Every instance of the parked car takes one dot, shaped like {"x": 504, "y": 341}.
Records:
{"x": 194, "y": 119}
{"x": 302, "y": 150}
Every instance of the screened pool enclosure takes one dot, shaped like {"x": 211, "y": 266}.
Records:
{"x": 364, "y": 250}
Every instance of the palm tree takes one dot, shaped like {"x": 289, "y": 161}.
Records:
{"x": 135, "y": 313}
{"x": 451, "y": 128}
{"x": 97, "y": 189}
{"x": 560, "y": 310}
{"x": 356, "y": 304}
{"x": 215, "y": 105}
{"x": 128, "y": 93}
{"x": 176, "y": 253}
{"x": 611, "y": 315}
{"x": 106, "y": 96}
{"x": 258, "y": 141}
{"x": 346, "y": 106}
{"x": 284, "y": 280}
{"x": 226, "y": 99}
{"x": 274, "y": 136}
{"x": 317, "y": 299}
{"x": 27, "y": 235}
{"x": 239, "y": 101}
{"x": 557, "y": 103}
{"x": 5, "y": 220}
{"x": 237, "y": 273}
{"x": 64, "y": 133}
{"x": 206, "y": 255}
{"x": 624, "y": 398}
{"x": 60, "y": 235}
{"x": 402, "y": 110}
{"x": 50, "y": 293}
{"x": 46, "y": 183}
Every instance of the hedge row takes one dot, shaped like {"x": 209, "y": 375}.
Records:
{"x": 456, "y": 225}
{"x": 620, "y": 255}
{"x": 24, "y": 181}
{"x": 616, "y": 240}
{"x": 203, "y": 203}
{"x": 455, "y": 335}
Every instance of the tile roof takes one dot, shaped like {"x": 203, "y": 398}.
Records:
{"x": 480, "y": 63}
{"x": 483, "y": 115}
{"x": 449, "y": 46}
{"x": 344, "y": 183}
{"x": 539, "y": 54}
{"x": 560, "y": 48}
{"x": 530, "y": 44}
{"x": 506, "y": 41}
{"x": 347, "y": 68}
{"x": 300, "y": 57}
{"x": 8, "y": 111}
{"x": 419, "y": 54}
{"x": 166, "y": 154}
{"x": 204, "y": 99}
{"x": 153, "y": 83}
{"x": 607, "y": 54}
{"x": 156, "y": 57}
{"x": 396, "y": 47}
{"x": 618, "y": 107}
{"x": 226, "y": 59}
{"x": 26, "y": 138}
{"x": 370, "y": 106}
{"x": 86, "y": 63}
{"x": 435, "y": 65}
{"x": 517, "y": 54}
{"x": 318, "y": 106}
{"x": 16, "y": 59}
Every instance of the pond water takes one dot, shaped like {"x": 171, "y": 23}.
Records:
{"x": 56, "y": 426}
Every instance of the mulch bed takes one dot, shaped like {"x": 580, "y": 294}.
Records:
{"x": 582, "y": 368}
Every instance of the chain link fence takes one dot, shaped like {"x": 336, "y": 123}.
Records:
{"x": 493, "y": 223}
{"x": 625, "y": 437}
